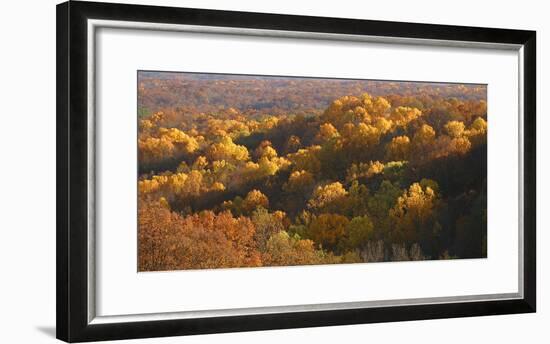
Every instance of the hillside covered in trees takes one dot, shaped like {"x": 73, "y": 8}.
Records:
{"x": 248, "y": 171}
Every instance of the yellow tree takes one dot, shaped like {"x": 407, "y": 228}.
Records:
{"x": 477, "y": 132}
{"x": 326, "y": 132}
{"x": 306, "y": 159}
{"x": 330, "y": 197}
{"x": 364, "y": 170}
{"x": 402, "y": 115}
{"x": 423, "y": 142}
{"x": 413, "y": 215}
{"x": 399, "y": 148}
{"x": 360, "y": 136}
{"x": 455, "y": 129}
{"x": 227, "y": 150}
{"x": 265, "y": 150}
{"x": 380, "y": 106}
{"x": 253, "y": 200}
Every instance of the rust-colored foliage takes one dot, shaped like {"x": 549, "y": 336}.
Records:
{"x": 168, "y": 241}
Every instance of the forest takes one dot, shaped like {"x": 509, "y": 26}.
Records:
{"x": 251, "y": 171}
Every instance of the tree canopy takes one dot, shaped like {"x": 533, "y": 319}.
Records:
{"x": 242, "y": 172}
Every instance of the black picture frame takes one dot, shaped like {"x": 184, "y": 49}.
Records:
{"x": 72, "y": 171}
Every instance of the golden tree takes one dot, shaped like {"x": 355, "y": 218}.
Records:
{"x": 413, "y": 213}
{"x": 328, "y": 229}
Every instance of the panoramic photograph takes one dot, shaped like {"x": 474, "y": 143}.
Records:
{"x": 242, "y": 171}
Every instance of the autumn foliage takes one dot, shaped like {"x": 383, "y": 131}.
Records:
{"x": 239, "y": 171}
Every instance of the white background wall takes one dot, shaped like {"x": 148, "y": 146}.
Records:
{"x": 27, "y": 172}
